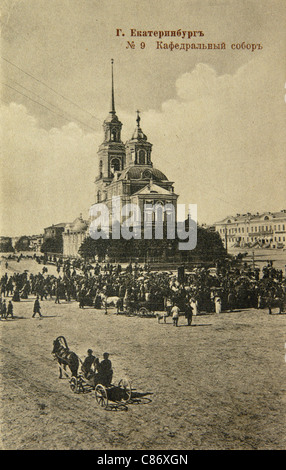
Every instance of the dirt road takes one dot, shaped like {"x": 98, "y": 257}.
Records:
{"x": 219, "y": 384}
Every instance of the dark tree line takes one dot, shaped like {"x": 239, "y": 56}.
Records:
{"x": 209, "y": 248}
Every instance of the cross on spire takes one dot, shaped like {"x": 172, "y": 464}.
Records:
{"x": 112, "y": 89}
{"x": 138, "y": 118}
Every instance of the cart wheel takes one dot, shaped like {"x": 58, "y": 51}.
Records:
{"x": 125, "y": 385}
{"x": 101, "y": 396}
{"x": 74, "y": 384}
{"x": 143, "y": 311}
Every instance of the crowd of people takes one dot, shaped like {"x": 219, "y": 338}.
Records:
{"x": 227, "y": 287}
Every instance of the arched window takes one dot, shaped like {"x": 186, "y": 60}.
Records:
{"x": 113, "y": 134}
{"x": 100, "y": 169}
{"x": 115, "y": 164}
{"x": 159, "y": 211}
{"x": 141, "y": 159}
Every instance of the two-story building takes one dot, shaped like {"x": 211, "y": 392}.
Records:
{"x": 267, "y": 230}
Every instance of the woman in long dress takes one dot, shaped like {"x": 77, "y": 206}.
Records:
{"x": 194, "y": 305}
{"x": 217, "y": 305}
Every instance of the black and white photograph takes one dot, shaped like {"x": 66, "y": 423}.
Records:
{"x": 143, "y": 228}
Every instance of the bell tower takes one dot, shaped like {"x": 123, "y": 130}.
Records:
{"x": 111, "y": 153}
{"x": 138, "y": 149}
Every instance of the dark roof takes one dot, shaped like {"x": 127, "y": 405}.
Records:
{"x": 61, "y": 225}
{"x": 254, "y": 217}
{"x": 137, "y": 172}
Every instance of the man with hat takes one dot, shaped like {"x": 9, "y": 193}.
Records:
{"x": 105, "y": 370}
{"x": 89, "y": 365}
{"x": 37, "y": 308}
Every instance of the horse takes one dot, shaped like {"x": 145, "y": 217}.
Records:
{"x": 276, "y": 302}
{"x": 109, "y": 301}
{"x": 64, "y": 356}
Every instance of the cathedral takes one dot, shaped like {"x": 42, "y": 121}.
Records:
{"x": 124, "y": 170}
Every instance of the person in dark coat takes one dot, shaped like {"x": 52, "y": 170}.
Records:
{"x": 89, "y": 365}
{"x": 4, "y": 309}
{"x": 231, "y": 300}
{"x": 105, "y": 370}
{"x": 119, "y": 305}
{"x": 97, "y": 302}
{"x": 189, "y": 314}
{"x": 16, "y": 295}
{"x": 81, "y": 298}
{"x": 10, "y": 309}
{"x": 269, "y": 304}
{"x": 57, "y": 292}
{"x": 37, "y": 308}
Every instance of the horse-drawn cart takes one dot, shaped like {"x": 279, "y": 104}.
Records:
{"x": 140, "y": 308}
{"x": 105, "y": 392}
{"x": 119, "y": 394}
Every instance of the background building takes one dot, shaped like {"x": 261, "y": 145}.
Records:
{"x": 54, "y": 231}
{"x": 73, "y": 236}
{"x": 267, "y": 230}
{"x": 53, "y": 238}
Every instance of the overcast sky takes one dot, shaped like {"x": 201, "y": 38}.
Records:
{"x": 216, "y": 118}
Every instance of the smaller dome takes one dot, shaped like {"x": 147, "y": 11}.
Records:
{"x": 112, "y": 117}
{"x": 79, "y": 225}
{"x": 138, "y": 134}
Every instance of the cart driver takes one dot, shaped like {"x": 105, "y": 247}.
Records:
{"x": 105, "y": 371}
{"x": 89, "y": 365}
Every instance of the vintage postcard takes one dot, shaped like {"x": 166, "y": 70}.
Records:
{"x": 143, "y": 227}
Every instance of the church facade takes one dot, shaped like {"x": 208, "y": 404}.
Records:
{"x": 125, "y": 172}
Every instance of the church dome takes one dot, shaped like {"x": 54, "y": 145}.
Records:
{"x": 138, "y": 134}
{"x": 79, "y": 225}
{"x": 112, "y": 118}
{"x": 137, "y": 172}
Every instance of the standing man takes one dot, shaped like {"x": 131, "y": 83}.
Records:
{"x": 175, "y": 314}
{"x": 231, "y": 300}
{"x": 189, "y": 313}
{"x": 105, "y": 370}
{"x": 81, "y": 297}
{"x": 37, "y": 307}
{"x": 10, "y": 309}
{"x": 57, "y": 301}
{"x": 4, "y": 309}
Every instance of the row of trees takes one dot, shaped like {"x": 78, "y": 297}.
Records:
{"x": 52, "y": 245}
{"x": 209, "y": 247}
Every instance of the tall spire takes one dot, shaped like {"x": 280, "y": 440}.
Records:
{"x": 112, "y": 90}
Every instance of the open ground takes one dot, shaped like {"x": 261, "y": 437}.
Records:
{"x": 218, "y": 384}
